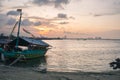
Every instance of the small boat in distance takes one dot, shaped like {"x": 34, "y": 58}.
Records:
{"x": 23, "y": 47}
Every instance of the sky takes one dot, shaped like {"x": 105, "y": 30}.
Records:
{"x": 59, "y": 18}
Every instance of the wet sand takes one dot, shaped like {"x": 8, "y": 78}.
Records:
{"x": 15, "y": 73}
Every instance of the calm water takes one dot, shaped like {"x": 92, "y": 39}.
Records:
{"x": 82, "y": 55}
{"x": 77, "y": 55}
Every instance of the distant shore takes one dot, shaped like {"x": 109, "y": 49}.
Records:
{"x": 60, "y": 38}
{"x": 15, "y": 73}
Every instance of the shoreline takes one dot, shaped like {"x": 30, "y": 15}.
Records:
{"x": 17, "y": 73}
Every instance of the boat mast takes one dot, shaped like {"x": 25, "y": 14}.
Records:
{"x": 20, "y": 11}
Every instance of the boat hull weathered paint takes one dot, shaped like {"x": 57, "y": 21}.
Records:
{"x": 28, "y": 54}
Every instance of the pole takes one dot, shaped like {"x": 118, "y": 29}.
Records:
{"x": 13, "y": 29}
{"x": 19, "y": 10}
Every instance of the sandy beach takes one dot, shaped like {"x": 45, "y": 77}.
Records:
{"x": 15, "y": 73}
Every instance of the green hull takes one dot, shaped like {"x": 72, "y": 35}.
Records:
{"x": 28, "y": 54}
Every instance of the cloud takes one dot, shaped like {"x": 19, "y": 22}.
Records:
{"x": 13, "y": 13}
{"x": 61, "y": 18}
{"x": 106, "y": 8}
{"x": 42, "y": 2}
{"x": 61, "y": 15}
{"x": 26, "y": 22}
{"x": 59, "y": 3}
{"x": 55, "y": 3}
{"x": 71, "y": 17}
{"x": 37, "y": 23}
{"x": 38, "y": 18}
{"x": 116, "y": 2}
{"x": 48, "y": 24}
{"x": 43, "y": 21}
{"x": 105, "y": 14}
{"x": 11, "y": 21}
{"x": 1, "y": 3}
{"x": 3, "y": 20}
{"x": 6, "y": 20}
{"x": 63, "y": 22}
{"x": 20, "y": 7}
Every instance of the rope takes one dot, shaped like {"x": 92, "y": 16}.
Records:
{"x": 17, "y": 59}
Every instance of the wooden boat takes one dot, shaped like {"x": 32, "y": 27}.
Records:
{"x": 29, "y": 48}
{"x": 23, "y": 47}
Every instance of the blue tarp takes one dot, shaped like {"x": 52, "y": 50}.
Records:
{"x": 24, "y": 41}
{"x": 36, "y": 42}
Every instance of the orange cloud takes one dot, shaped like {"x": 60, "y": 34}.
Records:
{"x": 42, "y": 31}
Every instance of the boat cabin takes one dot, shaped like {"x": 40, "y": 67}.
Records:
{"x": 26, "y": 44}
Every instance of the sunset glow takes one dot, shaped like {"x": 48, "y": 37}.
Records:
{"x": 71, "y": 18}
{"x": 42, "y": 31}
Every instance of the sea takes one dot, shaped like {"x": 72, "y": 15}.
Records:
{"x": 82, "y": 55}
{"x": 77, "y": 56}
